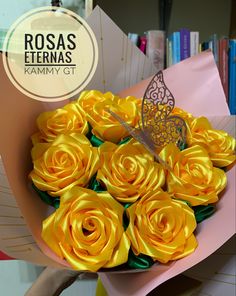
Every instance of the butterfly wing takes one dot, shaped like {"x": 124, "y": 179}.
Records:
{"x": 141, "y": 137}
{"x": 158, "y": 101}
{"x": 158, "y": 125}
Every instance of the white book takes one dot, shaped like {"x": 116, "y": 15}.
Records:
{"x": 210, "y": 45}
{"x": 133, "y": 37}
{"x": 156, "y": 48}
{"x": 194, "y": 43}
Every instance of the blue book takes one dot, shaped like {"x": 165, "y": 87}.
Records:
{"x": 184, "y": 44}
{"x": 205, "y": 45}
{"x": 214, "y": 47}
{"x": 170, "y": 52}
{"x": 175, "y": 38}
{"x": 134, "y": 38}
{"x": 232, "y": 77}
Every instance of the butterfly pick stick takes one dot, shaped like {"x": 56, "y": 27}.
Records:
{"x": 139, "y": 135}
{"x": 159, "y": 128}
{"x": 157, "y": 105}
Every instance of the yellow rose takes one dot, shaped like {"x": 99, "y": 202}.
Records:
{"x": 219, "y": 145}
{"x": 104, "y": 125}
{"x": 89, "y": 98}
{"x": 188, "y": 117}
{"x": 66, "y": 120}
{"x": 139, "y": 102}
{"x": 64, "y": 163}
{"x": 161, "y": 227}
{"x": 128, "y": 171}
{"x": 192, "y": 176}
{"x": 87, "y": 230}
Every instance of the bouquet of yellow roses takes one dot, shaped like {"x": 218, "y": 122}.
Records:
{"x": 115, "y": 203}
{"x": 192, "y": 182}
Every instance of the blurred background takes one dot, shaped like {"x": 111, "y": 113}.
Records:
{"x": 206, "y": 16}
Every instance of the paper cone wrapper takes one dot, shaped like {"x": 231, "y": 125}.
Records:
{"x": 120, "y": 65}
{"x": 196, "y": 86}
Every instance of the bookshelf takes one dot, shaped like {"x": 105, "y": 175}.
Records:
{"x": 232, "y": 33}
{"x": 205, "y": 16}
{"x": 209, "y": 24}
{"x": 132, "y": 16}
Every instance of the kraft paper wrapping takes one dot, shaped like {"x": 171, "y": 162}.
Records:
{"x": 196, "y": 86}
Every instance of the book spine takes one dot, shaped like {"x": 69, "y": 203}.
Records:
{"x": 194, "y": 43}
{"x": 220, "y": 65}
{"x": 170, "y": 51}
{"x": 173, "y": 61}
{"x": 156, "y": 48}
{"x": 134, "y": 38}
{"x": 225, "y": 67}
{"x": 223, "y": 64}
{"x": 200, "y": 48}
{"x": 232, "y": 77}
{"x": 184, "y": 44}
{"x": 205, "y": 45}
{"x": 213, "y": 44}
{"x": 176, "y": 47}
{"x": 210, "y": 45}
{"x": 143, "y": 44}
{"x": 167, "y": 53}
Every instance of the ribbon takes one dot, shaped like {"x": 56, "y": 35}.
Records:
{"x": 55, "y": 201}
{"x": 203, "y": 212}
{"x": 139, "y": 262}
{"x": 95, "y": 185}
{"x": 125, "y": 217}
{"x": 182, "y": 145}
{"x": 96, "y": 142}
{"x": 125, "y": 140}
{"x": 50, "y": 200}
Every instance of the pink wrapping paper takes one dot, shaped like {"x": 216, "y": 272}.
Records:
{"x": 196, "y": 86}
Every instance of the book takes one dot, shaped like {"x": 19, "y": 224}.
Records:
{"x": 170, "y": 51}
{"x": 134, "y": 38}
{"x": 184, "y": 43}
{"x": 232, "y": 76}
{"x": 223, "y": 64}
{"x": 210, "y": 45}
{"x": 175, "y": 37}
{"x": 213, "y": 44}
{"x": 199, "y": 48}
{"x": 194, "y": 43}
{"x": 205, "y": 45}
{"x": 167, "y": 53}
{"x": 143, "y": 44}
{"x": 155, "y": 49}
